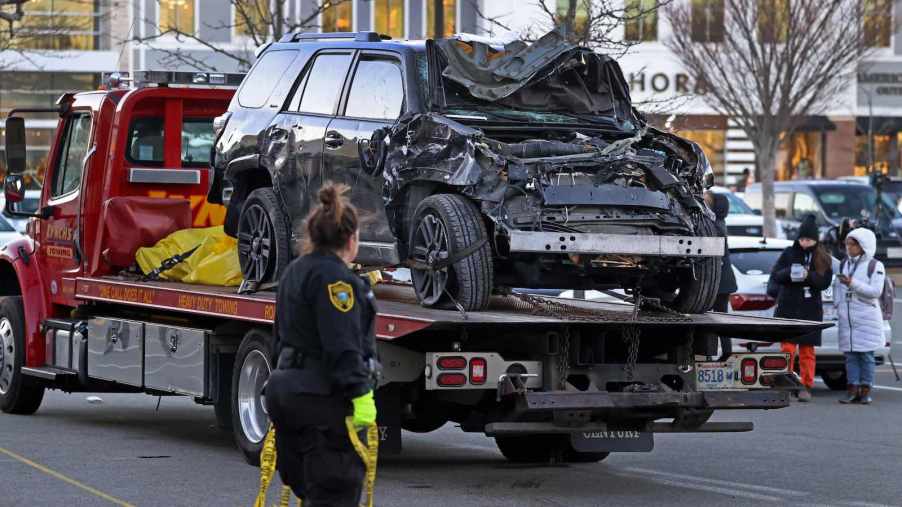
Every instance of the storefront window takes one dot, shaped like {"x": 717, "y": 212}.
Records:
{"x": 449, "y": 18}
{"x": 707, "y": 20}
{"x": 713, "y": 143}
{"x": 580, "y": 14}
{"x": 887, "y": 149}
{"x": 878, "y": 20}
{"x": 58, "y": 25}
{"x": 338, "y": 17}
{"x": 773, "y": 20}
{"x": 252, "y": 18}
{"x": 177, "y": 15}
{"x": 389, "y": 16}
{"x": 641, "y": 20}
{"x": 800, "y": 157}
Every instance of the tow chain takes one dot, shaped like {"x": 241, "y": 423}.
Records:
{"x": 632, "y": 333}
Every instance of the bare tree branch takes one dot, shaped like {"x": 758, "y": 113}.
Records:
{"x": 779, "y": 61}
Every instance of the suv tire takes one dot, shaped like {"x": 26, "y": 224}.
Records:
{"x": 264, "y": 237}
{"x": 835, "y": 380}
{"x": 443, "y": 224}
{"x": 696, "y": 294}
{"x": 18, "y": 394}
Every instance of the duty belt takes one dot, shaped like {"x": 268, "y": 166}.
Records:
{"x": 291, "y": 358}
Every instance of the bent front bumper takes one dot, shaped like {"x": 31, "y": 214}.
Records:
{"x": 622, "y": 244}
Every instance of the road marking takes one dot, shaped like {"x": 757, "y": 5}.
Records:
{"x": 701, "y": 487}
{"x": 888, "y": 388}
{"x": 732, "y": 484}
{"x": 865, "y": 504}
{"x": 57, "y": 475}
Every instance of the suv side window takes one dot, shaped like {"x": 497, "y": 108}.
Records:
{"x": 803, "y": 204}
{"x": 323, "y": 83}
{"x": 266, "y": 74}
{"x": 781, "y": 204}
{"x": 72, "y": 154}
{"x": 377, "y": 91}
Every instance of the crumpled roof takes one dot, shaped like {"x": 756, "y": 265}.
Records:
{"x": 490, "y": 74}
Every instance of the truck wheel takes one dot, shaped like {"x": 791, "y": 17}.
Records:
{"x": 692, "y": 418}
{"x": 251, "y": 371}
{"x": 544, "y": 448}
{"x": 18, "y": 393}
{"x": 264, "y": 237}
{"x": 696, "y": 294}
{"x": 443, "y": 224}
{"x": 835, "y": 380}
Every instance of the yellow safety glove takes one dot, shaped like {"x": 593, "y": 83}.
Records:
{"x": 364, "y": 410}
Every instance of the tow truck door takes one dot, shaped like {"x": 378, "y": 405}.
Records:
{"x": 373, "y": 98}
{"x": 58, "y": 236}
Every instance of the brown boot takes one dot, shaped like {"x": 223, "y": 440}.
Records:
{"x": 864, "y": 395}
{"x": 852, "y": 395}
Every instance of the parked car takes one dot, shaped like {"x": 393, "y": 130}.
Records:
{"x": 28, "y": 205}
{"x": 7, "y": 231}
{"x": 534, "y": 172}
{"x": 742, "y": 219}
{"x": 753, "y": 261}
{"x": 831, "y": 201}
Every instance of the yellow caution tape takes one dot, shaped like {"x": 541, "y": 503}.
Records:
{"x": 368, "y": 453}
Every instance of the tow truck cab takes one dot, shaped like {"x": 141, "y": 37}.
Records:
{"x": 127, "y": 166}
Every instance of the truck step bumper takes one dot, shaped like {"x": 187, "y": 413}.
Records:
{"x": 549, "y": 428}
{"x": 599, "y": 400}
{"x": 622, "y": 244}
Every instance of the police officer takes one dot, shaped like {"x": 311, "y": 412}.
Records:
{"x": 326, "y": 366}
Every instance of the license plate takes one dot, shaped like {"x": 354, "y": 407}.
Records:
{"x": 714, "y": 376}
{"x": 894, "y": 252}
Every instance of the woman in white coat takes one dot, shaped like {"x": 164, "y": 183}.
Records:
{"x": 856, "y": 294}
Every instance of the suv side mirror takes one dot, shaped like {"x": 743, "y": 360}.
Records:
{"x": 14, "y": 189}
{"x": 15, "y": 145}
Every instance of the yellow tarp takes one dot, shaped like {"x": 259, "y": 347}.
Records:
{"x": 215, "y": 262}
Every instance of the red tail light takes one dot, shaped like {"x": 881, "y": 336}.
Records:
{"x": 451, "y": 379}
{"x": 746, "y": 302}
{"x": 774, "y": 363}
{"x": 478, "y": 370}
{"x": 451, "y": 363}
{"x": 748, "y": 371}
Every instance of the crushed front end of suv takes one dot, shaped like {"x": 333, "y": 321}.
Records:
{"x": 523, "y": 165}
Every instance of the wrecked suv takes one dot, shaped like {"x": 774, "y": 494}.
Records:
{"x": 481, "y": 167}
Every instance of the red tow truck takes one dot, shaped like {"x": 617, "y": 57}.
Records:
{"x": 549, "y": 379}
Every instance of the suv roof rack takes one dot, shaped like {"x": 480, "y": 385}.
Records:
{"x": 145, "y": 78}
{"x": 355, "y": 36}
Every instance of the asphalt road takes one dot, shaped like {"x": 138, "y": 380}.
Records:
{"x": 124, "y": 452}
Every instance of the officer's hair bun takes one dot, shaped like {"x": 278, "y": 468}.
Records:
{"x": 331, "y": 224}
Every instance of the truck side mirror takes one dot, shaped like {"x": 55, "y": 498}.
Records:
{"x": 15, "y": 145}
{"x": 14, "y": 188}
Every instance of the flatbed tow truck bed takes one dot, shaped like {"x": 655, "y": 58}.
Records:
{"x": 400, "y": 315}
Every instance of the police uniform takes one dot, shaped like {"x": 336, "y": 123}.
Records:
{"x": 325, "y": 318}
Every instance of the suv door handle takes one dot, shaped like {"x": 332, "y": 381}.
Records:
{"x": 333, "y": 140}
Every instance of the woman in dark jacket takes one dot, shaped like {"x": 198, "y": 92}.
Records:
{"x": 802, "y": 273}
{"x": 720, "y": 205}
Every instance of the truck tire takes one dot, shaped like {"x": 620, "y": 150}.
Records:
{"x": 253, "y": 365}
{"x": 696, "y": 294}
{"x": 443, "y": 224}
{"x": 18, "y": 394}
{"x": 692, "y": 418}
{"x": 264, "y": 237}
{"x": 543, "y": 449}
{"x": 835, "y": 380}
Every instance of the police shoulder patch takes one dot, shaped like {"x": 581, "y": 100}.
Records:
{"x": 341, "y": 294}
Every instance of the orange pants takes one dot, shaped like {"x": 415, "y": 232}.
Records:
{"x": 806, "y": 361}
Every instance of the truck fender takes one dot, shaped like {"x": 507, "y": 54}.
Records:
{"x": 20, "y": 276}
